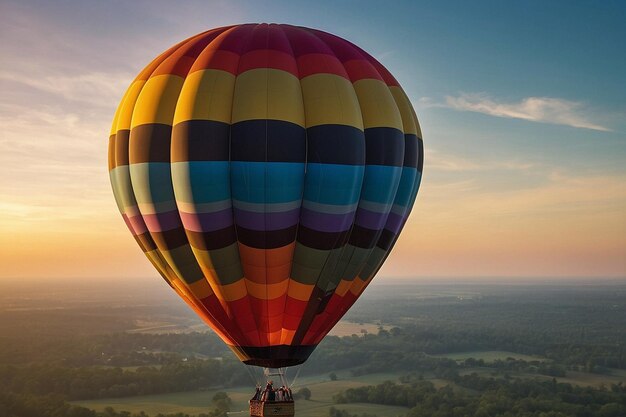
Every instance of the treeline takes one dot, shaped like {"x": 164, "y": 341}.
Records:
{"x": 490, "y": 397}
{"x": 13, "y": 405}
{"x": 576, "y": 326}
{"x": 116, "y": 349}
{"x": 401, "y": 349}
{"x": 74, "y": 383}
{"x": 161, "y": 371}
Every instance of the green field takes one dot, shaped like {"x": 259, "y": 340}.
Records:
{"x": 321, "y": 387}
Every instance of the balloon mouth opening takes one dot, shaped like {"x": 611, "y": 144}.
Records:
{"x": 279, "y": 356}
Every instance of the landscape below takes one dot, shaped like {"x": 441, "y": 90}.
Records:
{"x": 481, "y": 349}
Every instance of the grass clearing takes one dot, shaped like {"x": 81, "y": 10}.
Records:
{"x": 196, "y": 402}
{"x": 323, "y": 390}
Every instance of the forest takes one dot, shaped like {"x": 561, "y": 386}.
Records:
{"x": 554, "y": 333}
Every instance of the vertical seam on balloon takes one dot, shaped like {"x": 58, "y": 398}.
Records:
{"x": 300, "y": 331}
{"x": 347, "y": 239}
{"x": 226, "y": 307}
{"x": 224, "y": 326}
{"x": 230, "y": 145}
{"x": 306, "y": 146}
{"x": 267, "y": 95}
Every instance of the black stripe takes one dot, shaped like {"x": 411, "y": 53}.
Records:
{"x": 335, "y": 144}
{"x": 363, "y": 237}
{"x": 268, "y": 140}
{"x": 386, "y": 240}
{"x": 170, "y": 239}
{"x": 266, "y": 239}
{"x": 216, "y": 239}
{"x": 145, "y": 242}
{"x": 278, "y": 356}
{"x": 322, "y": 240}
{"x": 150, "y": 143}
{"x": 384, "y": 146}
{"x": 411, "y": 151}
{"x": 420, "y": 158}
{"x": 200, "y": 140}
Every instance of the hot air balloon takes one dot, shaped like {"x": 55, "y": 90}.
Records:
{"x": 266, "y": 171}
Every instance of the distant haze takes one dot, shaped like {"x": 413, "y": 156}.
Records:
{"x": 522, "y": 109}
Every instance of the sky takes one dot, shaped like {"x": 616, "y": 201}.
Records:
{"x": 522, "y": 107}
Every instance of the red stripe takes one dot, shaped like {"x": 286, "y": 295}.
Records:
{"x": 183, "y": 58}
{"x": 242, "y": 313}
{"x": 387, "y": 77}
{"x": 268, "y": 58}
{"x": 359, "y": 69}
{"x": 217, "y": 59}
{"x": 310, "y": 64}
{"x": 268, "y": 308}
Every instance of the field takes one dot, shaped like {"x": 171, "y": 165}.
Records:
{"x": 321, "y": 387}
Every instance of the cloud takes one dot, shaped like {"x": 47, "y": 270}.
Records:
{"x": 535, "y": 109}
{"x": 456, "y": 163}
{"x": 95, "y": 88}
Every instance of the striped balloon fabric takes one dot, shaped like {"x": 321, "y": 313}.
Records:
{"x": 266, "y": 171}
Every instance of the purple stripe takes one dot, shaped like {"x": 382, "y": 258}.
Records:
{"x": 266, "y": 221}
{"x": 207, "y": 222}
{"x": 325, "y": 222}
{"x": 395, "y": 222}
{"x": 160, "y": 222}
{"x": 370, "y": 219}
{"x": 135, "y": 224}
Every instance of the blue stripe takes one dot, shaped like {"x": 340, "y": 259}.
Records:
{"x": 201, "y": 181}
{"x": 267, "y": 182}
{"x": 406, "y": 188}
{"x": 335, "y": 184}
{"x": 152, "y": 182}
{"x": 380, "y": 183}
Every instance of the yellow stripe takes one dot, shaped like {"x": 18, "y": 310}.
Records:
{"x": 343, "y": 287}
{"x": 206, "y": 95}
{"x": 299, "y": 291}
{"x": 267, "y": 292}
{"x": 357, "y": 286}
{"x": 128, "y": 105}
{"x": 330, "y": 99}
{"x": 200, "y": 289}
{"x": 234, "y": 291}
{"x": 268, "y": 93}
{"x": 157, "y": 101}
{"x": 406, "y": 110}
{"x": 378, "y": 106}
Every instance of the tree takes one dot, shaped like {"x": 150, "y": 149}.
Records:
{"x": 333, "y": 376}
{"x": 222, "y": 401}
{"x": 303, "y": 393}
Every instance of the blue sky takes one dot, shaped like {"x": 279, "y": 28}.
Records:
{"x": 522, "y": 105}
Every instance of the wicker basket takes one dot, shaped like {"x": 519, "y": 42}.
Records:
{"x": 271, "y": 408}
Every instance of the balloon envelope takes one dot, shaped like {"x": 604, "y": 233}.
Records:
{"x": 266, "y": 171}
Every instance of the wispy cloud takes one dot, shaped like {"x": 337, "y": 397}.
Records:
{"x": 535, "y": 109}
{"x": 96, "y": 88}
{"x": 457, "y": 163}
